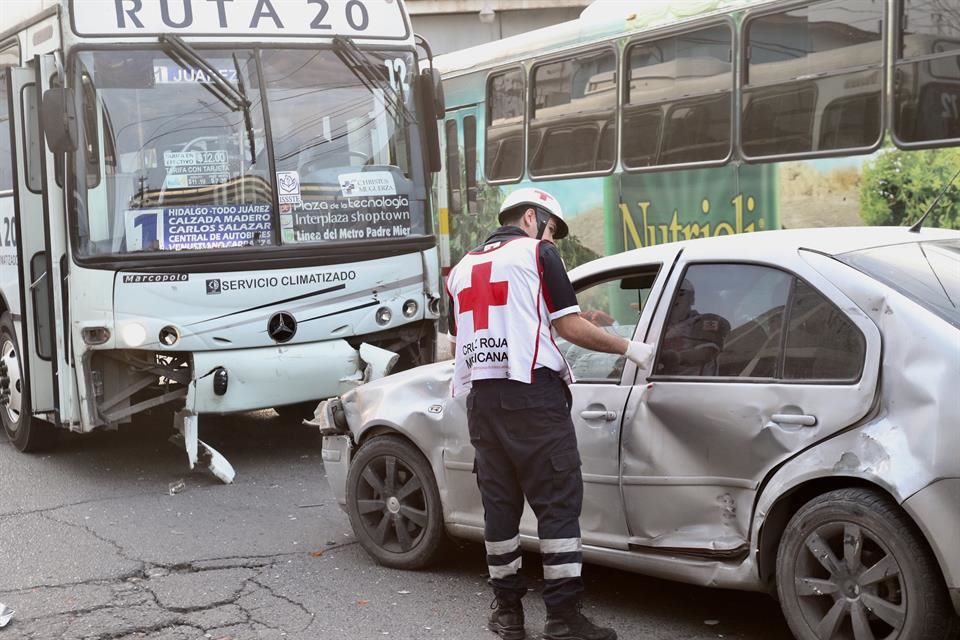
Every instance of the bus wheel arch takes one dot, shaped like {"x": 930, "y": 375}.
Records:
{"x": 26, "y": 432}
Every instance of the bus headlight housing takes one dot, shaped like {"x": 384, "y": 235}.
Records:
{"x": 95, "y": 335}
{"x": 384, "y": 315}
{"x": 410, "y": 308}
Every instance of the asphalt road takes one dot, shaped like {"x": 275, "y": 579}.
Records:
{"x": 93, "y": 545}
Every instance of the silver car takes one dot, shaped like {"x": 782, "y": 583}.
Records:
{"x": 798, "y": 433}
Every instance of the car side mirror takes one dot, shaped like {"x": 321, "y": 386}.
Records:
{"x": 58, "y": 116}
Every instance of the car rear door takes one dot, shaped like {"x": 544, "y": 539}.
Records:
{"x": 756, "y": 361}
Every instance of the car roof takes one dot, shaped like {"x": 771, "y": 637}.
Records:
{"x": 768, "y": 245}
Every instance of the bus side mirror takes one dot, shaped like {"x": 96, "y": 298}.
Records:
{"x": 58, "y": 116}
{"x": 432, "y": 106}
{"x": 439, "y": 102}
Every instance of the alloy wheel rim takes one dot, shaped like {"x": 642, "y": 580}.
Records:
{"x": 849, "y": 585}
{"x": 392, "y": 504}
{"x": 13, "y": 406}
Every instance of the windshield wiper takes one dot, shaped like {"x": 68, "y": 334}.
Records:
{"x": 187, "y": 57}
{"x": 369, "y": 74}
{"x": 247, "y": 120}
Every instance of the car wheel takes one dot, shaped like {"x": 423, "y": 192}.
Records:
{"x": 394, "y": 505}
{"x": 852, "y": 566}
{"x": 26, "y": 432}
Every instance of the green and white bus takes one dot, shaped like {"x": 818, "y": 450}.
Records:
{"x": 660, "y": 121}
{"x": 209, "y": 207}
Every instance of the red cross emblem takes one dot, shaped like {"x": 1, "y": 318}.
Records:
{"x": 482, "y": 294}
{"x": 543, "y": 195}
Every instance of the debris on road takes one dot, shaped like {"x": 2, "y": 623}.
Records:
{"x": 5, "y": 614}
{"x": 176, "y": 487}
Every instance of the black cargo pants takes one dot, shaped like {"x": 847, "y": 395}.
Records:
{"x": 526, "y": 446}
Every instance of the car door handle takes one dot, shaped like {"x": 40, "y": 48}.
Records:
{"x": 794, "y": 418}
{"x": 609, "y": 416}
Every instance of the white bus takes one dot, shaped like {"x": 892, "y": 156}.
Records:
{"x": 209, "y": 207}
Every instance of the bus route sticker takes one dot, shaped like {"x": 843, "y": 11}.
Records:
{"x": 367, "y": 183}
{"x": 198, "y": 227}
{"x": 288, "y": 187}
{"x": 195, "y": 168}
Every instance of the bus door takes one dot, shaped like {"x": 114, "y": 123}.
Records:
{"x": 462, "y": 173}
{"x": 41, "y": 239}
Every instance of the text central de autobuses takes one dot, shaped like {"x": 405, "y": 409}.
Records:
{"x": 289, "y": 280}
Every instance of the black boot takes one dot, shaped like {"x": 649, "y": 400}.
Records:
{"x": 573, "y": 625}
{"x": 506, "y": 619}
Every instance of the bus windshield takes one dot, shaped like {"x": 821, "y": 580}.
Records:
{"x": 318, "y": 153}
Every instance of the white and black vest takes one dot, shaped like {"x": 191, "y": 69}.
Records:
{"x": 503, "y": 324}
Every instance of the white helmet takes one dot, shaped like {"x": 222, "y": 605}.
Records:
{"x": 536, "y": 198}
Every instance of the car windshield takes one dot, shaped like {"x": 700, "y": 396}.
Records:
{"x": 174, "y": 159}
{"x": 928, "y": 272}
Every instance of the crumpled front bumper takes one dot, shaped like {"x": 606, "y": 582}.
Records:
{"x": 338, "y": 446}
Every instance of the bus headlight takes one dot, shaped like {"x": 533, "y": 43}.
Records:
{"x": 169, "y": 336}
{"x": 384, "y": 315}
{"x": 133, "y": 334}
{"x": 410, "y": 308}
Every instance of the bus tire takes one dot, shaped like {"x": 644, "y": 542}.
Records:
{"x": 27, "y": 433}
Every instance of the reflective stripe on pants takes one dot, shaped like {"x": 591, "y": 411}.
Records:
{"x": 526, "y": 447}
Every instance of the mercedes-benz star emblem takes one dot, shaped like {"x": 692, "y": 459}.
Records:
{"x": 282, "y": 326}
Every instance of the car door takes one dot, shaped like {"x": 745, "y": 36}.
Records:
{"x": 618, "y": 301}
{"x": 755, "y": 362}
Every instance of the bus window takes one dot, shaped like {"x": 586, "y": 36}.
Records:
{"x": 574, "y": 104}
{"x": 843, "y": 120}
{"x": 678, "y": 102}
{"x": 91, "y": 135}
{"x": 31, "y": 137}
{"x": 9, "y": 57}
{"x": 840, "y": 43}
{"x": 470, "y": 160}
{"x": 453, "y": 169}
{"x": 503, "y": 151}
{"x": 927, "y": 78}
{"x": 641, "y": 137}
{"x": 780, "y": 120}
{"x": 168, "y": 152}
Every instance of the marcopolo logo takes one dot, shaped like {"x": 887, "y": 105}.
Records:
{"x": 139, "y": 278}
{"x": 213, "y": 286}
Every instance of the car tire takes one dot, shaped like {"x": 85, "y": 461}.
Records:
{"x": 28, "y": 434}
{"x": 852, "y": 566}
{"x": 394, "y": 504}
{"x": 297, "y": 412}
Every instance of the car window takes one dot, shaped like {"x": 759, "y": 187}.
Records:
{"x": 927, "y": 272}
{"x": 822, "y": 343}
{"x": 614, "y": 305}
{"x": 727, "y": 320}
